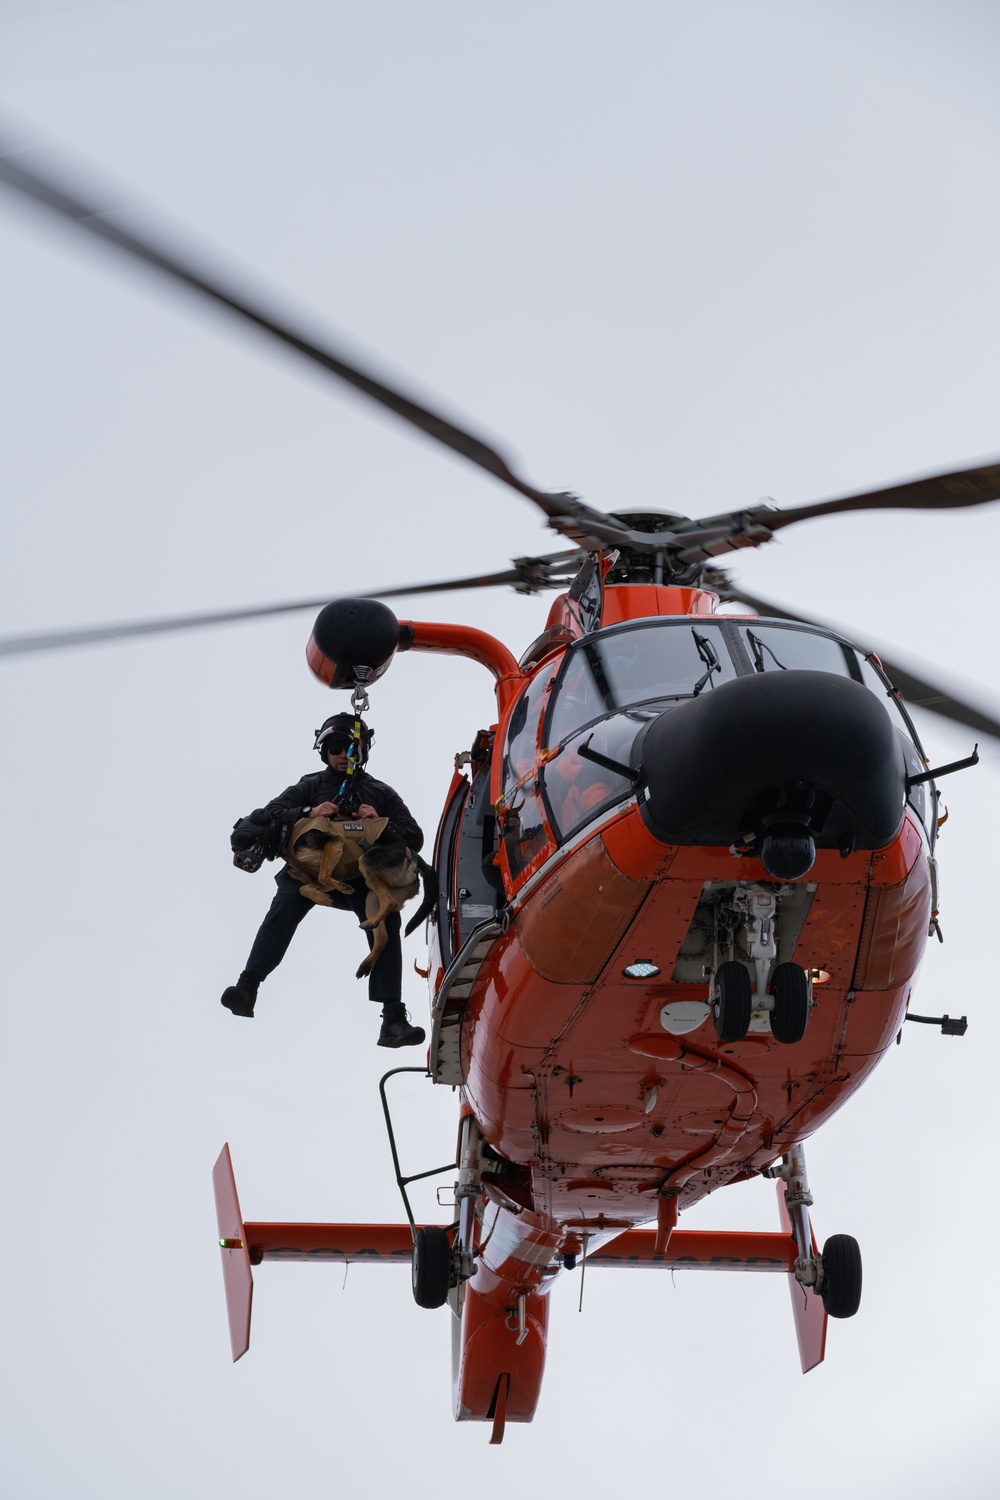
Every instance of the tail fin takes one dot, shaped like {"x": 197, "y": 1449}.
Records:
{"x": 236, "y": 1273}
{"x": 807, "y": 1309}
{"x": 246, "y": 1245}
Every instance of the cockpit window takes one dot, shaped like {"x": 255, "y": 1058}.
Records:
{"x": 615, "y": 669}
{"x": 774, "y": 649}
{"x": 568, "y": 745}
{"x": 788, "y": 648}
{"x": 919, "y": 797}
{"x": 522, "y": 821}
{"x": 522, "y": 731}
{"x": 576, "y": 785}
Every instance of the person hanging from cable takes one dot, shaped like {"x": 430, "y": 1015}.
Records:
{"x": 344, "y": 791}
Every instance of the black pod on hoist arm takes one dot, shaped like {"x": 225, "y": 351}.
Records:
{"x": 352, "y": 639}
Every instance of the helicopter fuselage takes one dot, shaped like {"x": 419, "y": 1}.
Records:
{"x": 578, "y": 945}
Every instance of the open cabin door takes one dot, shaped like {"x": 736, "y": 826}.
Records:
{"x": 470, "y": 883}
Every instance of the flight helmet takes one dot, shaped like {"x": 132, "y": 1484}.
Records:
{"x": 345, "y": 732}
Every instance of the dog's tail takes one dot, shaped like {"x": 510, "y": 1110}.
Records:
{"x": 429, "y": 876}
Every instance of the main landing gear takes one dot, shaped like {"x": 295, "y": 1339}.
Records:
{"x": 439, "y": 1262}
{"x": 841, "y": 1290}
{"x": 432, "y": 1260}
{"x": 835, "y": 1274}
{"x": 735, "y": 997}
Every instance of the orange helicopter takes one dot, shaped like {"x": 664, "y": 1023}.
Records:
{"x": 686, "y": 879}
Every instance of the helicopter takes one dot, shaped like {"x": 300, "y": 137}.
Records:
{"x": 587, "y": 840}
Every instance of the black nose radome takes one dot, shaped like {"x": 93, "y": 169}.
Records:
{"x": 792, "y": 760}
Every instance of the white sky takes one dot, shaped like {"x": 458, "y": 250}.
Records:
{"x": 669, "y": 255}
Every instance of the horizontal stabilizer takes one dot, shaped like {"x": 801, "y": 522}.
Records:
{"x": 236, "y": 1273}
{"x": 392, "y": 1244}
{"x": 361, "y": 1244}
{"x": 699, "y": 1250}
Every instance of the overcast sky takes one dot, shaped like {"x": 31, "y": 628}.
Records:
{"x": 668, "y": 255}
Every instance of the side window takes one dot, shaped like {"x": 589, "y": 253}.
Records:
{"x": 524, "y": 833}
{"x": 576, "y": 788}
{"x": 919, "y": 797}
{"x": 522, "y": 731}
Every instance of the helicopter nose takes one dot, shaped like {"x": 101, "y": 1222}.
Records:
{"x": 788, "y": 761}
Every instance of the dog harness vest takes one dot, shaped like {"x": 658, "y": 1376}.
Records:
{"x": 324, "y": 854}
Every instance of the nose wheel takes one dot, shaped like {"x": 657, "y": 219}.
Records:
{"x": 790, "y": 1003}
{"x": 751, "y": 988}
{"x": 732, "y": 1002}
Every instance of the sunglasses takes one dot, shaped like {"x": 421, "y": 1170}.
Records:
{"x": 335, "y": 744}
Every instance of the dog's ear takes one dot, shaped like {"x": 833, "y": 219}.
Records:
{"x": 388, "y": 840}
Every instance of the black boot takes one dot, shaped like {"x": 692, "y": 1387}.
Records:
{"x": 396, "y": 1028}
{"x": 241, "y": 997}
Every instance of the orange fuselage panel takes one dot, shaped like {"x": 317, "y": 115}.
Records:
{"x": 567, "y": 1063}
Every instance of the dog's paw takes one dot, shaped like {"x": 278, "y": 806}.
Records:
{"x": 316, "y": 893}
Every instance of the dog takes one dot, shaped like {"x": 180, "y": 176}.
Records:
{"x": 393, "y": 875}
{"x": 325, "y": 855}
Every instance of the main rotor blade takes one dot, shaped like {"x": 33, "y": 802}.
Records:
{"x": 711, "y": 536}
{"x": 71, "y": 204}
{"x": 916, "y": 691}
{"x": 91, "y": 635}
{"x": 955, "y": 490}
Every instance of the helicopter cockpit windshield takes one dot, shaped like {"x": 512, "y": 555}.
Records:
{"x": 774, "y": 646}
{"x": 568, "y": 748}
{"x": 610, "y": 685}
{"x": 620, "y": 668}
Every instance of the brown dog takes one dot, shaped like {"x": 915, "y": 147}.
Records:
{"x": 392, "y": 875}
{"x": 325, "y": 854}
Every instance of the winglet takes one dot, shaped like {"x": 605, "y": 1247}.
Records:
{"x": 236, "y": 1273}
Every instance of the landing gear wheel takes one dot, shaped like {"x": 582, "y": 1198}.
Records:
{"x": 790, "y": 991}
{"x": 732, "y": 1002}
{"x": 841, "y": 1276}
{"x": 431, "y": 1266}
